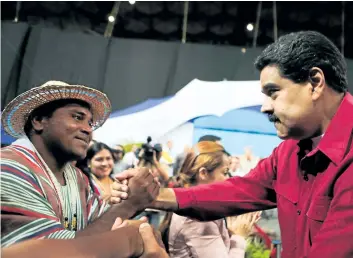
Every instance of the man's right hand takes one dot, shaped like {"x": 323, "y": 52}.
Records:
{"x": 151, "y": 248}
{"x": 138, "y": 185}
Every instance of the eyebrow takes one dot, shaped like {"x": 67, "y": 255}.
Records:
{"x": 81, "y": 113}
{"x": 269, "y": 86}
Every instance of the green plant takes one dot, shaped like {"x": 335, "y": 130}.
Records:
{"x": 257, "y": 250}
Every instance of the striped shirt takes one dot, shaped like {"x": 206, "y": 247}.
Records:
{"x": 30, "y": 207}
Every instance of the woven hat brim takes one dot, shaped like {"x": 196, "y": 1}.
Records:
{"x": 16, "y": 113}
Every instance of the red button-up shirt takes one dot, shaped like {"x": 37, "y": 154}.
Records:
{"x": 314, "y": 194}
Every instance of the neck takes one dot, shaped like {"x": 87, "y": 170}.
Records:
{"x": 102, "y": 178}
{"x": 330, "y": 108}
{"x": 51, "y": 158}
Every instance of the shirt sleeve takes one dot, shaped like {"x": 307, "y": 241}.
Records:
{"x": 25, "y": 212}
{"x": 335, "y": 237}
{"x": 204, "y": 240}
{"x": 237, "y": 246}
{"x": 234, "y": 196}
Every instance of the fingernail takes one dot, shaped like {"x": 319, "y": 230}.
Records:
{"x": 124, "y": 188}
{"x": 124, "y": 195}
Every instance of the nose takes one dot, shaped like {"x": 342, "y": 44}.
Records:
{"x": 104, "y": 162}
{"x": 267, "y": 106}
{"x": 87, "y": 129}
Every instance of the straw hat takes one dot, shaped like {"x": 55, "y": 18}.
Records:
{"x": 16, "y": 113}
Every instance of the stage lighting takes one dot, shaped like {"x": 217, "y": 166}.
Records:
{"x": 250, "y": 27}
{"x": 111, "y": 18}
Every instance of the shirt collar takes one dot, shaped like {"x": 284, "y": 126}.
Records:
{"x": 335, "y": 142}
{"x": 316, "y": 140}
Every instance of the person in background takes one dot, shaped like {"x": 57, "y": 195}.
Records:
{"x": 158, "y": 169}
{"x": 210, "y": 138}
{"x": 235, "y": 168}
{"x": 98, "y": 167}
{"x": 130, "y": 158}
{"x": 179, "y": 160}
{"x": 189, "y": 238}
{"x": 119, "y": 164}
{"x": 248, "y": 161}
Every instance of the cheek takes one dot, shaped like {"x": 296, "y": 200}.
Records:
{"x": 219, "y": 177}
{"x": 289, "y": 110}
{"x": 94, "y": 166}
{"x": 111, "y": 164}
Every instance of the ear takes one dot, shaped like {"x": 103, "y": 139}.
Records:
{"x": 317, "y": 81}
{"x": 203, "y": 174}
{"x": 38, "y": 123}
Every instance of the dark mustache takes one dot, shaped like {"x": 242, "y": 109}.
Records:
{"x": 273, "y": 118}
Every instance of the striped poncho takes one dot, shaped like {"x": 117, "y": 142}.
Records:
{"x": 29, "y": 205}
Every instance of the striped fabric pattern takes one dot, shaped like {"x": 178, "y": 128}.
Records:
{"x": 29, "y": 205}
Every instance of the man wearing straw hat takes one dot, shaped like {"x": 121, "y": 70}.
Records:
{"x": 42, "y": 194}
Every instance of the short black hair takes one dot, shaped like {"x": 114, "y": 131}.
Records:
{"x": 209, "y": 138}
{"x": 296, "y": 53}
{"x": 47, "y": 110}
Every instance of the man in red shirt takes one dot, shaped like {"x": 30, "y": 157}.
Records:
{"x": 309, "y": 176}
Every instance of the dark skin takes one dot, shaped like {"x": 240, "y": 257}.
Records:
{"x": 64, "y": 137}
{"x": 139, "y": 241}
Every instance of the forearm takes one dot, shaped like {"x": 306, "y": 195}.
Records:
{"x": 166, "y": 200}
{"x": 105, "y": 222}
{"x": 222, "y": 199}
{"x": 121, "y": 243}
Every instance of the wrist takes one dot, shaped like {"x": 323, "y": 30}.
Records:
{"x": 166, "y": 200}
{"x": 125, "y": 209}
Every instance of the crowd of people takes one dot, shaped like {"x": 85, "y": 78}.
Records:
{"x": 64, "y": 194}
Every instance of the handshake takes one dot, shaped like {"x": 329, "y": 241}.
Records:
{"x": 138, "y": 187}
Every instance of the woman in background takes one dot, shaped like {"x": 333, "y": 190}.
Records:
{"x": 98, "y": 166}
{"x": 184, "y": 237}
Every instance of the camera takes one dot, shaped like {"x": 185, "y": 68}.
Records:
{"x": 149, "y": 149}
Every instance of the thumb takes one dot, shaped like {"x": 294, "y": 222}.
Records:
{"x": 147, "y": 235}
{"x": 117, "y": 223}
{"x": 127, "y": 174}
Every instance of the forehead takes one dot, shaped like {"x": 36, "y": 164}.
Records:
{"x": 76, "y": 108}
{"x": 103, "y": 153}
{"x": 271, "y": 75}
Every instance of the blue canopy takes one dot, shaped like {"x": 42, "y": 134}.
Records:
{"x": 240, "y": 128}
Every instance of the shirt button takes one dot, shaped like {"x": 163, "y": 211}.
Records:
{"x": 298, "y": 212}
